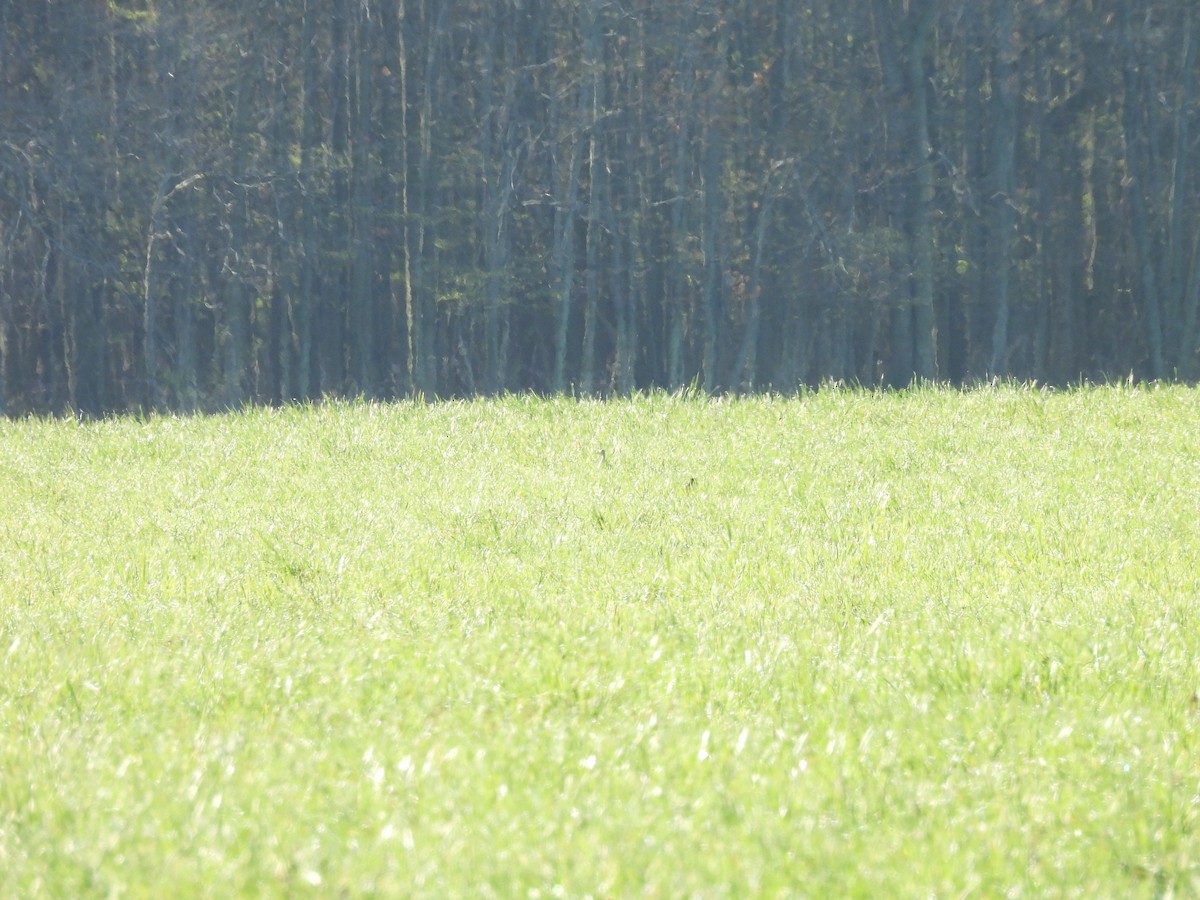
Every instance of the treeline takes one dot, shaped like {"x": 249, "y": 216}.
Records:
{"x": 205, "y": 203}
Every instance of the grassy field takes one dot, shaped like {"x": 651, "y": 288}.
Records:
{"x": 850, "y": 644}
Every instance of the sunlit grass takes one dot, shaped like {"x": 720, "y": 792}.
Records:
{"x": 848, "y": 644}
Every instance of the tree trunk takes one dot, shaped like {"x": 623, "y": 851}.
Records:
{"x": 391, "y": 250}
{"x": 1000, "y": 183}
{"x": 678, "y": 287}
{"x": 422, "y": 255}
{"x": 152, "y": 397}
{"x": 236, "y": 300}
{"x": 744, "y": 368}
{"x": 1181, "y": 353}
{"x": 1134, "y": 120}
{"x": 565, "y": 211}
{"x": 924, "y": 327}
{"x": 308, "y": 384}
{"x": 593, "y": 63}
{"x": 500, "y": 164}
{"x": 711, "y": 290}
{"x": 362, "y": 319}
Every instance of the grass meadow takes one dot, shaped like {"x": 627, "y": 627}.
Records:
{"x": 929, "y": 643}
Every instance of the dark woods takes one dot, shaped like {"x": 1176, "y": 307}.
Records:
{"x": 205, "y": 203}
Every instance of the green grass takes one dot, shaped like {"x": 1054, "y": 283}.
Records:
{"x": 850, "y": 644}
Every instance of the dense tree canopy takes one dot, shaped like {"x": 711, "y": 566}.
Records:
{"x": 205, "y": 202}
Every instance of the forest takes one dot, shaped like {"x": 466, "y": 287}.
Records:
{"x": 210, "y": 203}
